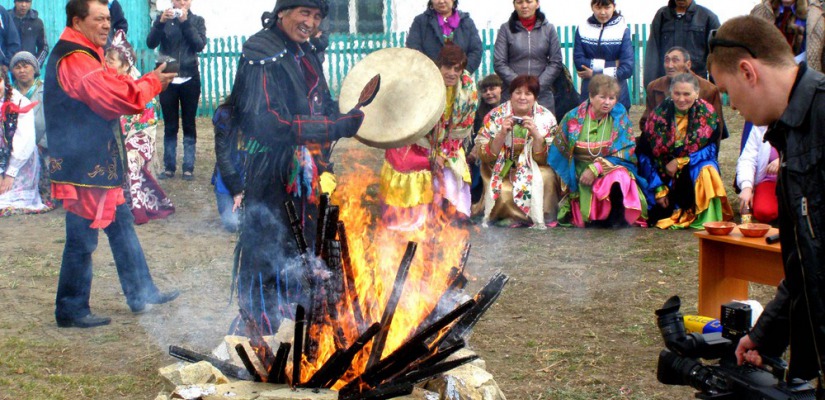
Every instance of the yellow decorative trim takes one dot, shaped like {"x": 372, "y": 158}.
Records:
{"x": 405, "y": 189}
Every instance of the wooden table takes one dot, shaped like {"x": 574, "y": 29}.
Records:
{"x": 728, "y": 263}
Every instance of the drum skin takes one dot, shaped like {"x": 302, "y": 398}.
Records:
{"x": 408, "y": 104}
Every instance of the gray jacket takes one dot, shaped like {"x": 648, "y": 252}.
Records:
{"x": 39, "y": 118}
{"x": 537, "y": 53}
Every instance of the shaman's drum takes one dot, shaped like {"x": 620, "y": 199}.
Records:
{"x": 409, "y": 102}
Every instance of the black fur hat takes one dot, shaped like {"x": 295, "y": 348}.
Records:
{"x": 322, "y": 5}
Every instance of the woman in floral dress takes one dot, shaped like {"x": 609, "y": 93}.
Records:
{"x": 519, "y": 188}
{"x": 19, "y": 161}
{"x": 677, "y": 155}
{"x": 433, "y": 173}
{"x": 149, "y": 201}
{"x": 594, "y": 155}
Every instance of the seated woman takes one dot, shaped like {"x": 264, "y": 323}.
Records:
{"x": 149, "y": 201}
{"x": 677, "y": 156}
{"x": 756, "y": 177}
{"x": 433, "y": 173}
{"x": 25, "y": 71}
{"x": 19, "y": 161}
{"x": 519, "y": 187}
{"x": 594, "y": 155}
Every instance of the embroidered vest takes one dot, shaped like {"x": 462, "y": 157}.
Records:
{"x": 83, "y": 146}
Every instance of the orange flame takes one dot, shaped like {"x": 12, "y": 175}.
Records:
{"x": 375, "y": 254}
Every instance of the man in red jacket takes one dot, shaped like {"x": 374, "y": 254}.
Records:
{"x": 82, "y": 103}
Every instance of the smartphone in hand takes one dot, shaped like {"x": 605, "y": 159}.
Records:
{"x": 172, "y": 65}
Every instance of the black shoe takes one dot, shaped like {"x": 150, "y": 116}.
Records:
{"x": 89, "y": 321}
{"x": 166, "y": 175}
{"x": 188, "y": 176}
{"x": 158, "y": 298}
{"x": 166, "y": 297}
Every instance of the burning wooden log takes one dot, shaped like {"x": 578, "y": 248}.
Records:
{"x": 277, "y": 374}
{"x": 349, "y": 279}
{"x": 256, "y": 340}
{"x": 394, "y": 364}
{"x": 407, "y": 354}
{"x": 297, "y": 346}
{"x": 419, "y": 375}
{"x": 484, "y": 299}
{"x": 323, "y": 300}
{"x": 297, "y": 229}
{"x": 426, "y": 331}
{"x": 339, "y": 367}
{"x": 392, "y": 303}
{"x": 226, "y": 368}
{"x": 321, "y": 376}
{"x": 247, "y": 362}
{"x": 460, "y": 280}
{"x": 320, "y": 236}
{"x": 335, "y": 283}
{"x": 380, "y": 393}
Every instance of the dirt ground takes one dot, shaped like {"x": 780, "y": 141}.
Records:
{"x": 575, "y": 322}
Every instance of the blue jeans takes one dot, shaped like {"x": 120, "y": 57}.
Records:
{"x": 229, "y": 219}
{"x": 75, "y": 282}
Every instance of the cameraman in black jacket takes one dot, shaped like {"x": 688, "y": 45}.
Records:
{"x": 180, "y": 35}
{"x": 751, "y": 61}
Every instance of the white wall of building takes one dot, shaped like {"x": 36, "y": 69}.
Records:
{"x": 242, "y": 17}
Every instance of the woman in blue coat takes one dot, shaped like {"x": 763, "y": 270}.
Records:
{"x": 442, "y": 22}
{"x": 603, "y": 46}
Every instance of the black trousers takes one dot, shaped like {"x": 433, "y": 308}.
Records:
{"x": 180, "y": 102}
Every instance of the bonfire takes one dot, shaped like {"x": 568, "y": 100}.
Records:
{"x": 386, "y": 308}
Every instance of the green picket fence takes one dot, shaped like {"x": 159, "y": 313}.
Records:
{"x": 219, "y": 60}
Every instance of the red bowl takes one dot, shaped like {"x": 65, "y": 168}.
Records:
{"x": 754, "y": 230}
{"x": 720, "y": 228}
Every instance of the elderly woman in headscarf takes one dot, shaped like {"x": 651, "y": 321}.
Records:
{"x": 149, "y": 201}
{"x": 19, "y": 161}
{"x": 519, "y": 188}
{"x": 432, "y": 174}
{"x": 677, "y": 155}
{"x": 25, "y": 71}
{"x": 594, "y": 154}
{"x": 442, "y": 23}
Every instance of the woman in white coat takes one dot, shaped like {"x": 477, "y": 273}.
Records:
{"x": 756, "y": 177}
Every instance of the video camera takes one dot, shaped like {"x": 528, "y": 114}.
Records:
{"x": 679, "y": 364}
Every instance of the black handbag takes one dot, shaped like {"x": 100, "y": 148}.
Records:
{"x": 565, "y": 94}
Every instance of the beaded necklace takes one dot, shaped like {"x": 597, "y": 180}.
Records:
{"x": 600, "y": 136}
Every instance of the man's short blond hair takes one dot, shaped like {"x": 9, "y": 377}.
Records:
{"x": 748, "y": 37}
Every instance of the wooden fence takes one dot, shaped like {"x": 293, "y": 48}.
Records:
{"x": 218, "y": 62}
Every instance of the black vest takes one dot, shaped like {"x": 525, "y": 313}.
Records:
{"x": 83, "y": 146}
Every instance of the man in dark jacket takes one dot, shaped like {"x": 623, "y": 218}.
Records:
{"x": 751, "y": 61}
{"x": 31, "y": 30}
{"x": 426, "y": 35}
{"x": 9, "y": 37}
{"x": 681, "y": 23}
{"x": 181, "y": 35}
{"x": 289, "y": 123}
